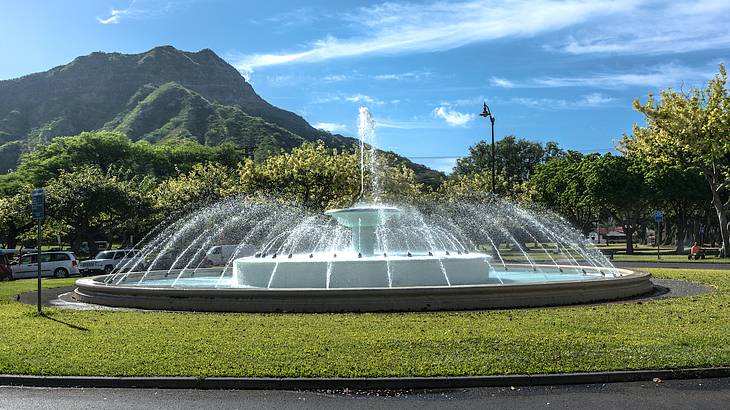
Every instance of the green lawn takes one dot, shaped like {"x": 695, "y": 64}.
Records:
{"x": 667, "y": 333}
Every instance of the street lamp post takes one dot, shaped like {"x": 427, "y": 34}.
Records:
{"x": 488, "y": 114}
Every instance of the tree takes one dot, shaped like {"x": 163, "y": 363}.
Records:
{"x": 560, "y": 184}
{"x": 205, "y": 182}
{"x": 689, "y": 130}
{"x": 311, "y": 175}
{"x": 91, "y": 203}
{"x": 477, "y": 185}
{"x": 619, "y": 185}
{"x": 107, "y": 150}
{"x": 400, "y": 184}
{"x": 679, "y": 191}
{"x": 515, "y": 160}
{"x": 15, "y": 217}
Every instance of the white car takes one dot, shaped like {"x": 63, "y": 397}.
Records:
{"x": 56, "y": 264}
{"x": 219, "y": 255}
{"x": 106, "y": 261}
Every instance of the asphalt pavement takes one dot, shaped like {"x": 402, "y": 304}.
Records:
{"x": 672, "y": 265}
{"x": 669, "y": 394}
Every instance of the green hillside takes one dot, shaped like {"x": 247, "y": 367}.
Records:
{"x": 160, "y": 95}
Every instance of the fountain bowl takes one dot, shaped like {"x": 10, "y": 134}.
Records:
{"x": 186, "y": 296}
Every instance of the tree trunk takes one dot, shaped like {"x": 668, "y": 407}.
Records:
{"x": 629, "y": 232}
{"x": 722, "y": 218}
{"x": 12, "y": 236}
{"x": 680, "y": 230}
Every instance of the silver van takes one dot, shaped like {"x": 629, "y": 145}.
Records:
{"x": 56, "y": 264}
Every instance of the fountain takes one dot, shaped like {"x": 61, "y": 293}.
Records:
{"x": 369, "y": 257}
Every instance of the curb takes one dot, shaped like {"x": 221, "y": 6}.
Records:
{"x": 389, "y": 383}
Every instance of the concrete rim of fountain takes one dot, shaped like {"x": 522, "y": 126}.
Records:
{"x": 311, "y": 300}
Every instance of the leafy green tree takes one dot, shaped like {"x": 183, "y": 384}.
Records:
{"x": 311, "y": 175}
{"x": 15, "y": 217}
{"x": 107, "y": 150}
{"x": 680, "y": 192}
{"x": 619, "y": 185}
{"x": 205, "y": 182}
{"x": 93, "y": 203}
{"x": 690, "y": 130}
{"x": 478, "y": 185}
{"x": 400, "y": 184}
{"x": 515, "y": 161}
{"x": 560, "y": 184}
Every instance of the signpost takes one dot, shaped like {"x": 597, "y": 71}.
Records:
{"x": 38, "y": 202}
{"x": 659, "y": 218}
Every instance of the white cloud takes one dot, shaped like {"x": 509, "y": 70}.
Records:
{"x": 336, "y": 77}
{"x": 412, "y": 76}
{"x": 362, "y": 98}
{"x": 354, "y": 98}
{"x": 116, "y": 14}
{"x": 586, "y": 101}
{"x": 501, "y": 82}
{"x": 655, "y": 28}
{"x": 595, "y": 99}
{"x": 398, "y": 28}
{"x": 331, "y": 127}
{"x": 281, "y": 80}
{"x": 453, "y": 118}
{"x": 658, "y": 76}
{"x": 147, "y": 8}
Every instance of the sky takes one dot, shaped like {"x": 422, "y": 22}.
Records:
{"x": 564, "y": 71}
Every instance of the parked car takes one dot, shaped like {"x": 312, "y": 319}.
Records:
{"x": 56, "y": 264}
{"x": 220, "y": 254}
{"x": 15, "y": 253}
{"x": 106, "y": 261}
{"x": 5, "y": 272}
{"x": 100, "y": 246}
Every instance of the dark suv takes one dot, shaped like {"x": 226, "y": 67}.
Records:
{"x": 5, "y": 272}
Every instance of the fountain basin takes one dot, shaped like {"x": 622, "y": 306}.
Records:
{"x": 549, "y": 287}
{"x": 352, "y": 271}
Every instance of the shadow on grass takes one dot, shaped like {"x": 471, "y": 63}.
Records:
{"x": 71, "y": 325}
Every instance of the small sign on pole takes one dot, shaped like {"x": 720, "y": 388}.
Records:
{"x": 659, "y": 218}
{"x": 38, "y": 205}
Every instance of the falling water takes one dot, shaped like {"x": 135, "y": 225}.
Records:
{"x": 366, "y": 133}
{"x": 441, "y": 230}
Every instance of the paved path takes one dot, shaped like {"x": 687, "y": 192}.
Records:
{"x": 670, "y": 394}
{"x": 674, "y": 265}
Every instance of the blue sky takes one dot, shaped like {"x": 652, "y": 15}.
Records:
{"x": 550, "y": 70}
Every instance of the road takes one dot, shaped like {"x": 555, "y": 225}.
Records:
{"x": 669, "y": 394}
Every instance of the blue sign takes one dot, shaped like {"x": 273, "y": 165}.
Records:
{"x": 38, "y": 203}
{"x": 659, "y": 216}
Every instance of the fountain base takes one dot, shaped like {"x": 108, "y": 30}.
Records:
{"x": 494, "y": 295}
{"x": 351, "y": 271}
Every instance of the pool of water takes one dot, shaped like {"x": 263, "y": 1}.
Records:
{"x": 511, "y": 277}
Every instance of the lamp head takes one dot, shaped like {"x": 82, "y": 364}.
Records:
{"x": 485, "y": 112}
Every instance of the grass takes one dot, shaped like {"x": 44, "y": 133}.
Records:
{"x": 665, "y": 333}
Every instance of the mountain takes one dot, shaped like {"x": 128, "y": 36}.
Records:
{"x": 160, "y": 95}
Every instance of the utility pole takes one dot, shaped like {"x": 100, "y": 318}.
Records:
{"x": 486, "y": 113}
